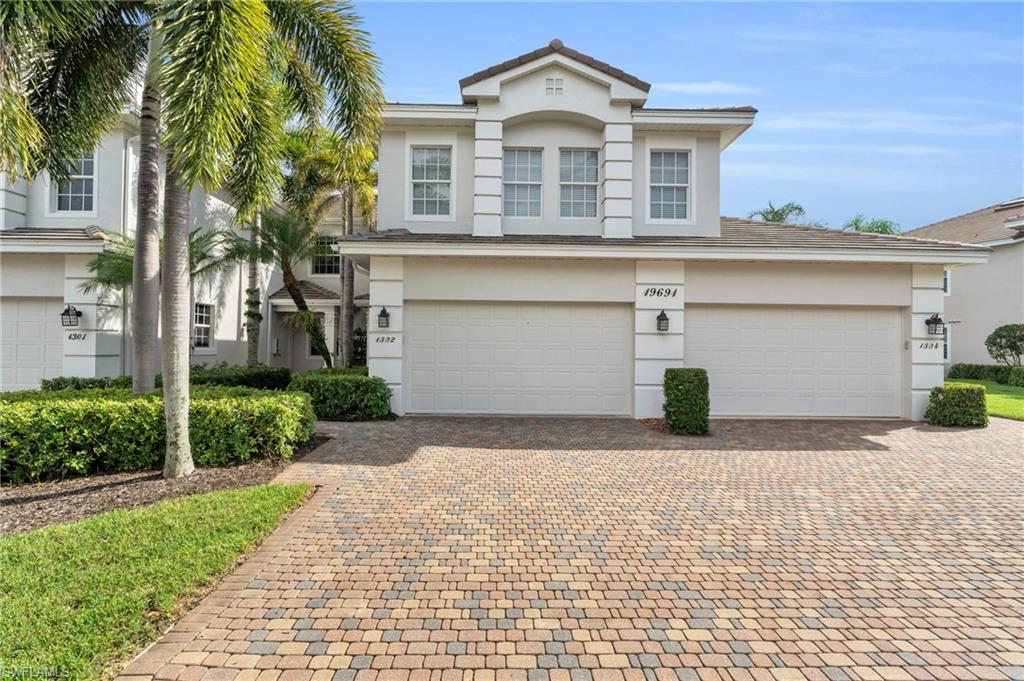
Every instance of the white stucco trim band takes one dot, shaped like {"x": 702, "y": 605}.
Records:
{"x": 52, "y": 246}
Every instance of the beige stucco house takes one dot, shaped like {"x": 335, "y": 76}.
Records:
{"x": 531, "y": 236}
{"x": 48, "y": 234}
{"x": 979, "y": 299}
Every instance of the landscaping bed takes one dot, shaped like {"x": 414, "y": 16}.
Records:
{"x": 79, "y": 598}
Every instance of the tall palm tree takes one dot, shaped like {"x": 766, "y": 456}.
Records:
{"x": 285, "y": 241}
{"x": 784, "y": 213}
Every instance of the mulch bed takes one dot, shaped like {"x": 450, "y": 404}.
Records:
{"x": 32, "y": 506}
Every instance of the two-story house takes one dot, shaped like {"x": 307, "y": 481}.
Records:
{"x": 550, "y": 245}
{"x": 50, "y": 231}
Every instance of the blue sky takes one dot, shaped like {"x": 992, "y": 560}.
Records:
{"x": 908, "y": 111}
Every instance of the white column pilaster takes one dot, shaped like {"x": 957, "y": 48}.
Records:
{"x": 384, "y": 346}
{"x": 926, "y": 363}
{"x": 659, "y": 286}
{"x": 616, "y": 178}
{"x": 93, "y": 348}
{"x": 487, "y": 179}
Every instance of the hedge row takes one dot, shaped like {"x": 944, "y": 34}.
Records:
{"x": 1016, "y": 377}
{"x": 957, "y": 405}
{"x": 341, "y": 396}
{"x": 687, "y": 401}
{"x": 46, "y": 435}
{"x": 1000, "y": 373}
{"x": 260, "y": 376}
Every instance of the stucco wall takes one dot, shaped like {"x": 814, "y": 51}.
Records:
{"x": 983, "y": 297}
{"x": 31, "y": 274}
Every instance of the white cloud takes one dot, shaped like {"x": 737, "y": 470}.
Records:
{"x": 707, "y": 87}
{"x": 913, "y": 150}
{"x": 889, "y": 120}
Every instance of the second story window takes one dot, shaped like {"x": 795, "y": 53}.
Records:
{"x": 76, "y": 194}
{"x": 670, "y": 185}
{"x": 431, "y": 180}
{"x": 325, "y": 260}
{"x": 577, "y": 177}
{"x": 522, "y": 179}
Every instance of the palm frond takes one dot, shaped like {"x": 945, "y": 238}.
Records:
{"x": 255, "y": 175}
{"x": 112, "y": 268}
{"x": 216, "y": 52}
{"x": 304, "y": 91}
{"x": 287, "y": 239}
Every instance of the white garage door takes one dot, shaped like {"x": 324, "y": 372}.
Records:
{"x": 31, "y": 341}
{"x": 518, "y": 358}
{"x": 765, "y": 361}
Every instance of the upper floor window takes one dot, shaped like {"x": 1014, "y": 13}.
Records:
{"x": 325, "y": 260}
{"x": 670, "y": 185}
{"x": 76, "y": 193}
{"x": 431, "y": 180}
{"x": 202, "y": 326}
{"x": 522, "y": 181}
{"x": 577, "y": 175}
{"x": 553, "y": 86}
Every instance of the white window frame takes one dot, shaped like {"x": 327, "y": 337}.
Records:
{"x": 691, "y": 207}
{"x": 337, "y": 256}
{"x": 947, "y": 282}
{"x": 596, "y": 185}
{"x": 539, "y": 183}
{"x": 53, "y": 188}
{"x": 554, "y": 87}
{"x": 431, "y": 141}
{"x": 211, "y": 326}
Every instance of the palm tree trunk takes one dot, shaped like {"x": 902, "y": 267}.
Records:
{"x": 175, "y": 313}
{"x": 315, "y": 331}
{"x": 146, "y": 261}
{"x": 347, "y": 284}
{"x": 253, "y": 317}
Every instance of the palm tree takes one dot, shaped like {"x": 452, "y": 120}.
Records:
{"x": 859, "y": 223}
{"x": 287, "y": 240}
{"x": 784, "y": 213}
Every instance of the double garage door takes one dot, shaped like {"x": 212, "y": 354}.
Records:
{"x": 544, "y": 358}
{"x": 31, "y": 341}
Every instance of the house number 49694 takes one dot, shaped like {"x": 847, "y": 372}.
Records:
{"x": 385, "y": 339}
{"x": 661, "y": 292}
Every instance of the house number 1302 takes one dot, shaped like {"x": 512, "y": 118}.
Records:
{"x": 385, "y": 339}
{"x": 661, "y": 292}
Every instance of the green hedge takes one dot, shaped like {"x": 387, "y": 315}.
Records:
{"x": 1016, "y": 377}
{"x": 260, "y": 376}
{"x": 344, "y": 397}
{"x": 340, "y": 371}
{"x": 1000, "y": 373}
{"x": 687, "y": 403}
{"x": 57, "y": 434}
{"x": 958, "y": 405}
{"x": 83, "y": 383}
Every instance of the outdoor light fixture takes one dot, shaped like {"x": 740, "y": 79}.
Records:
{"x": 662, "y": 321}
{"x": 383, "y": 319}
{"x": 70, "y": 315}
{"x": 936, "y": 326}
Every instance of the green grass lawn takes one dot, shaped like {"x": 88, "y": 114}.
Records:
{"x": 79, "y": 597}
{"x": 1006, "y": 401}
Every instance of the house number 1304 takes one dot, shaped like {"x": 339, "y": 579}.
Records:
{"x": 661, "y": 292}
{"x": 385, "y": 339}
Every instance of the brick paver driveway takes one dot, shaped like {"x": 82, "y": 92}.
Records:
{"x": 574, "y": 549}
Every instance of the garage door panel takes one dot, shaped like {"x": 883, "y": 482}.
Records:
{"x": 797, "y": 361}
{"x": 33, "y": 342}
{"x": 524, "y": 358}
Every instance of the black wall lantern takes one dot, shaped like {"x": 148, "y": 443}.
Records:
{"x": 70, "y": 315}
{"x": 936, "y": 326}
{"x": 383, "y": 319}
{"x": 662, "y": 321}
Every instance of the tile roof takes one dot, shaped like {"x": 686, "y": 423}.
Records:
{"x": 736, "y": 233}
{"x": 309, "y": 290}
{"x": 987, "y": 224}
{"x": 555, "y": 45}
{"x": 90, "y": 233}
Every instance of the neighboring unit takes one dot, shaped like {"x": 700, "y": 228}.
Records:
{"x": 551, "y": 246}
{"x": 979, "y": 299}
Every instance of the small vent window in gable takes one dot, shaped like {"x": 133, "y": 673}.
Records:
{"x": 553, "y": 86}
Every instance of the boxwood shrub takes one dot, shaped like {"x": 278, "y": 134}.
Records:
{"x": 259, "y": 376}
{"x": 1016, "y": 377}
{"x": 84, "y": 383}
{"x": 1000, "y": 373}
{"x": 56, "y": 434}
{"x": 687, "y": 403}
{"x": 957, "y": 405}
{"x": 343, "y": 396}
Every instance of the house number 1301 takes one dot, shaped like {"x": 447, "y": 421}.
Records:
{"x": 385, "y": 339}
{"x": 661, "y": 292}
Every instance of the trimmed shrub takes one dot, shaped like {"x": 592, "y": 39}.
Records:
{"x": 83, "y": 383}
{"x": 341, "y": 371}
{"x": 687, "y": 403}
{"x": 57, "y": 434}
{"x": 1006, "y": 344}
{"x": 344, "y": 397}
{"x": 1016, "y": 377}
{"x": 957, "y": 405}
{"x": 1000, "y": 373}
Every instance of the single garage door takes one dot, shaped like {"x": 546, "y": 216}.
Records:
{"x": 31, "y": 341}
{"x": 783, "y": 361}
{"x": 518, "y": 358}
